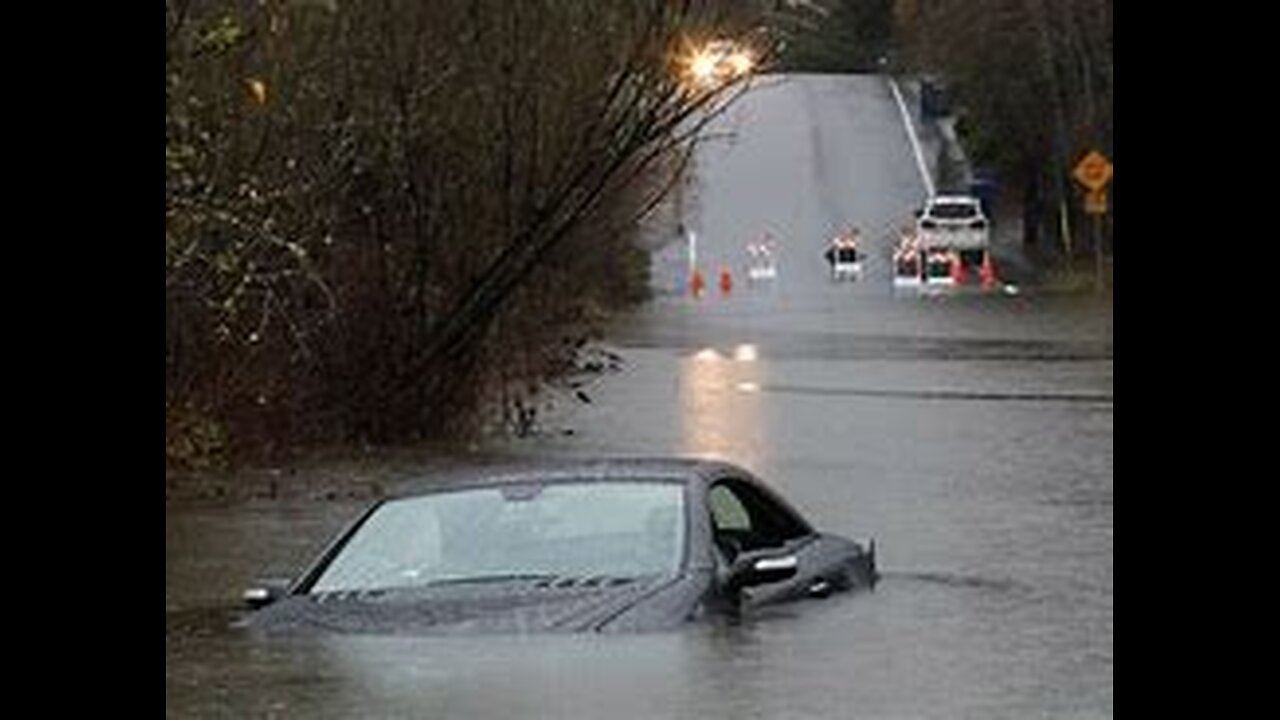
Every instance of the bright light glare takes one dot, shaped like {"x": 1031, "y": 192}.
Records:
{"x": 703, "y": 66}
{"x": 718, "y": 61}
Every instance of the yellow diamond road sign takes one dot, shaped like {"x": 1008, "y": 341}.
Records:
{"x": 1093, "y": 171}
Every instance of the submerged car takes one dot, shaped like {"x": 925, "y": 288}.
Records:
{"x": 610, "y": 545}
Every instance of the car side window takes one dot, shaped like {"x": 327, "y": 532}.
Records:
{"x": 745, "y": 519}
{"x": 727, "y": 512}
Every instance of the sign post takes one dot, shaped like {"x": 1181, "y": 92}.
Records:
{"x": 1094, "y": 172}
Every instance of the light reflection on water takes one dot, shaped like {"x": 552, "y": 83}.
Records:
{"x": 720, "y": 408}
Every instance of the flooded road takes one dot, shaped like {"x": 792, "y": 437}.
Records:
{"x": 971, "y": 435}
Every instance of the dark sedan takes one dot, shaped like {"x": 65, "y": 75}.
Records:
{"x": 603, "y": 545}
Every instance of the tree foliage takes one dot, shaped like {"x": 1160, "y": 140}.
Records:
{"x": 836, "y": 35}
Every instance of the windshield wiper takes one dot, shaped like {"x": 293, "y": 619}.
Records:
{"x": 502, "y": 577}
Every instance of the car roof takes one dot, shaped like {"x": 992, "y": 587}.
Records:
{"x": 964, "y": 199}
{"x": 685, "y": 470}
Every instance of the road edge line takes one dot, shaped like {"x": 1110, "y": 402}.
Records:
{"x": 911, "y": 136}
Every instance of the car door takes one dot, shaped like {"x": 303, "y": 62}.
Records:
{"x": 746, "y": 517}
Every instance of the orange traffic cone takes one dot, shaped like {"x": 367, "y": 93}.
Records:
{"x": 958, "y": 274}
{"x": 726, "y": 281}
{"x": 989, "y": 279}
{"x": 697, "y": 283}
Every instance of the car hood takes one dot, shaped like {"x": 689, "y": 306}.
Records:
{"x": 509, "y": 607}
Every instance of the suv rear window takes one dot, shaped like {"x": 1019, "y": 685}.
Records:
{"x": 953, "y": 211}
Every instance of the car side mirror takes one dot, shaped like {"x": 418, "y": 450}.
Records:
{"x": 265, "y": 592}
{"x": 751, "y": 569}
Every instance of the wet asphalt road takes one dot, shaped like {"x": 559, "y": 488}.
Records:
{"x": 971, "y": 435}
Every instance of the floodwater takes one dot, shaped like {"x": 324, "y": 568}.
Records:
{"x": 972, "y": 436}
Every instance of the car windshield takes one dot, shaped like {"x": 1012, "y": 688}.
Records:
{"x": 847, "y": 255}
{"x": 576, "y": 529}
{"x": 953, "y": 211}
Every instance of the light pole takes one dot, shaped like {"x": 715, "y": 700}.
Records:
{"x": 704, "y": 69}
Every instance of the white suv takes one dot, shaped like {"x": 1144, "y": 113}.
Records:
{"x": 953, "y": 221}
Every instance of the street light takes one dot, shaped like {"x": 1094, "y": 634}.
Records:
{"x": 717, "y": 63}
